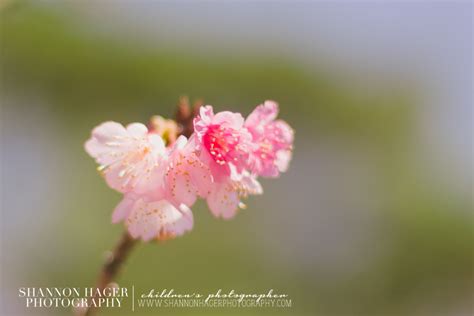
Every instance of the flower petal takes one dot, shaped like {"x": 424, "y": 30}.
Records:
{"x": 283, "y": 160}
{"x": 229, "y": 119}
{"x": 204, "y": 118}
{"x": 123, "y": 209}
{"x": 223, "y": 201}
{"x": 130, "y": 158}
{"x": 158, "y": 219}
{"x": 261, "y": 116}
{"x": 137, "y": 129}
{"x": 187, "y": 176}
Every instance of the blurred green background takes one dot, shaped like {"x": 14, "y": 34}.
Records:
{"x": 374, "y": 216}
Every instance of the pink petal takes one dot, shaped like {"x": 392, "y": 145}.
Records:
{"x": 223, "y": 201}
{"x": 158, "y": 219}
{"x": 261, "y": 116}
{"x": 107, "y": 138}
{"x": 272, "y": 141}
{"x": 283, "y": 133}
{"x": 137, "y": 129}
{"x": 250, "y": 185}
{"x": 206, "y": 113}
{"x": 123, "y": 209}
{"x": 204, "y": 119}
{"x": 283, "y": 160}
{"x": 187, "y": 176}
{"x": 229, "y": 119}
{"x": 130, "y": 158}
{"x": 108, "y": 131}
{"x": 181, "y": 189}
{"x": 157, "y": 143}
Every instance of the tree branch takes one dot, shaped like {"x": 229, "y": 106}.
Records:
{"x": 112, "y": 266}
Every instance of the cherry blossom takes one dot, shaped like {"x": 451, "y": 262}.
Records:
{"x": 224, "y": 141}
{"x": 272, "y": 141}
{"x": 161, "y": 175}
{"x": 131, "y": 159}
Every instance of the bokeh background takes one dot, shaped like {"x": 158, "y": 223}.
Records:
{"x": 374, "y": 217}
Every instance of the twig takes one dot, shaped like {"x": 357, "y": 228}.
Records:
{"x": 112, "y": 266}
{"x": 185, "y": 114}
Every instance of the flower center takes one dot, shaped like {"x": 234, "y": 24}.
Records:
{"x": 221, "y": 143}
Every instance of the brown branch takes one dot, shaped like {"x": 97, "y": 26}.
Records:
{"x": 184, "y": 117}
{"x": 112, "y": 266}
{"x": 115, "y": 260}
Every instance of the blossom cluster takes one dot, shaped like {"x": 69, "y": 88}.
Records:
{"x": 161, "y": 177}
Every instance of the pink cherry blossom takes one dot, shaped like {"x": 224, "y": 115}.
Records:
{"x": 148, "y": 218}
{"x": 130, "y": 158}
{"x": 223, "y": 140}
{"x": 220, "y": 162}
{"x": 272, "y": 141}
